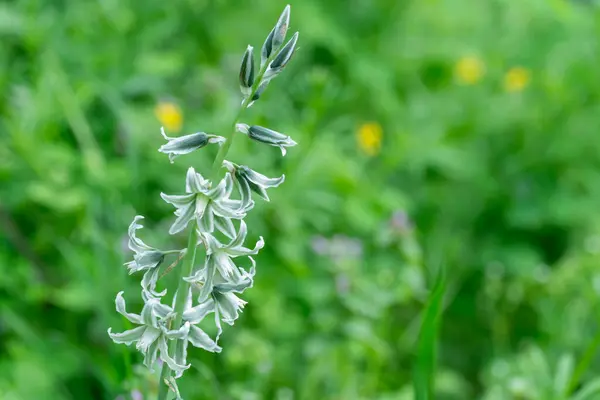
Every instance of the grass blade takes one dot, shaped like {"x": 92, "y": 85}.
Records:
{"x": 425, "y": 362}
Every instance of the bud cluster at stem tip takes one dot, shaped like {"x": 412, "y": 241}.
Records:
{"x": 212, "y": 210}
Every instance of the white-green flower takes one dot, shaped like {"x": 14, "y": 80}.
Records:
{"x": 210, "y": 207}
{"x": 267, "y": 136}
{"x": 178, "y": 146}
{"x": 219, "y": 259}
{"x": 248, "y": 180}
{"x": 228, "y": 304}
{"x": 153, "y": 334}
{"x": 146, "y": 258}
{"x": 218, "y": 293}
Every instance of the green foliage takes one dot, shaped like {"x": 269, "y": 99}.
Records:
{"x": 498, "y": 177}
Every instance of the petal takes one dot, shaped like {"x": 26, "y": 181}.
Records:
{"x": 136, "y": 244}
{"x": 218, "y": 323}
{"x": 149, "y": 282}
{"x": 211, "y": 243}
{"x": 199, "y": 338}
{"x": 225, "y": 265}
{"x": 149, "y": 317}
{"x": 150, "y": 356}
{"x": 180, "y": 355}
{"x": 219, "y": 191}
{"x": 208, "y": 283}
{"x": 197, "y": 276}
{"x": 243, "y": 251}
{"x": 146, "y": 260}
{"x": 223, "y": 209}
{"x": 121, "y": 309}
{"x": 164, "y": 355}
{"x": 244, "y": 281}
{"x": 206, "y": 223}
{"x": 241, "y": 208}
{"x": 179, "y": 201}
{"x": 201, "y": 203}
{"x": 162, "y": 132}
{"x": 242, "y": 128}
{"x": 216, "y": 139}
{"x": 148, "y": 337}
{"x": 225, "y": 226}
{"x": 196, "y": 314}
{"x": 180, "y": 333}
{"x": 229, "y": 306}
{"x": 188, "y": 299}
{"x": 127, "y": 337}
{"x": 244, "y": 188}
{"x": 240, "y": 237}
{"x": 259, "y": 190}
{"x": 162, "y": 310}
{"x": 194, "y": 182}
{"x": 229, "y": 166}
{"x": 228, "y": 185}
{"x": 238, "y": 287}
{"x": 185, "y": 216}
{"x": 261, "y": 179}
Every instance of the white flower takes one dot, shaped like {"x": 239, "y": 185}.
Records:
{"x": 153, "y": 334}
{"x": 186, "y": 144}
{"x": 219, "y": 259}
{"x": 248, "y": 180}
{"x": 210, "y": 207}
{"x": 218, "y": 294}
{"x": 219, "y": 278}
{"x": 146, "y": 258}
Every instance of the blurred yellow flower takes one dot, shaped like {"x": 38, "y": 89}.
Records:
{"x": 469, "y": 70}
{"x": 516, "y": 79}
{"x": 170, "y": 116}
{"x": 369, "y": 138}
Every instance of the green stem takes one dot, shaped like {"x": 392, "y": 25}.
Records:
{"x": 171, "y": 252}
{"x": 180, "y": 299}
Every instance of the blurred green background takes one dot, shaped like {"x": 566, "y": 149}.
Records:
{"x": 455, "y": 134}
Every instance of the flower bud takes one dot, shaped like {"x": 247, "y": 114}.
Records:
{"x": 267, "y": 48}
{"x": 285, "y": 54}
{"x": 281, "y": 28}
{"x": 270, "y": 137}
{"x": 247, "y": 72}
{"x": 186, "y": 144}
{"x": 282, "y": 58}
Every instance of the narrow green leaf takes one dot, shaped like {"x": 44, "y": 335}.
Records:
{"x": 590, "y": 391}
{"x": 425, "y": 362}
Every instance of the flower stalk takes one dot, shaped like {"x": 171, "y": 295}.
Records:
{"x": 207, "y": 210}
